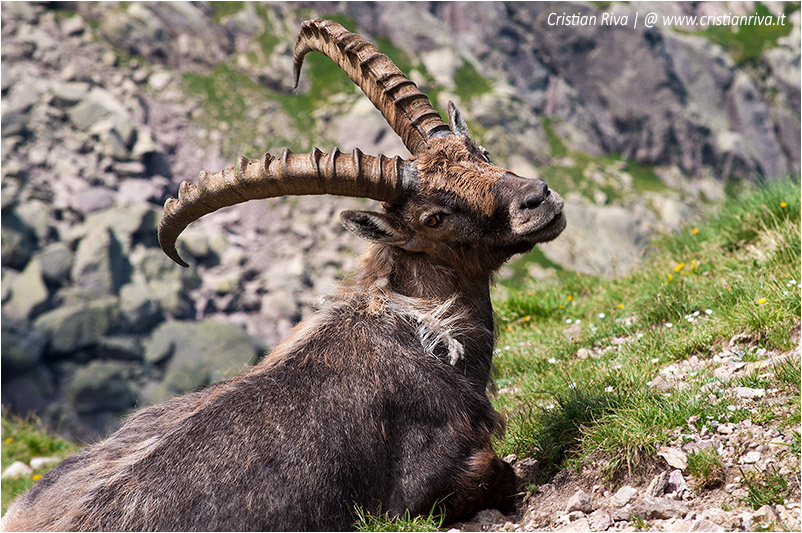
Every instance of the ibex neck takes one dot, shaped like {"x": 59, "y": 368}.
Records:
{"x": 390, "y": 270}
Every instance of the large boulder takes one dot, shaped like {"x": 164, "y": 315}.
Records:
{"x": 22, "y": 347}
{"x": 101, "y": 386}
{"x": 29, "y": 294}
{"x": 100, "y": 267}
{"x": 78, "y": 326}
{"x": 197, "y": 354}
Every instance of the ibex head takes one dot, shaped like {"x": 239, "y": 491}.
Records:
{"x": 447, "y": 201}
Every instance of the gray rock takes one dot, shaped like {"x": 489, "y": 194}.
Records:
{"x": 526, "y": 469}
{"x": 168, "y": 284}
{"x": 580, "y": 524}
{"x": 705, "y": 525}
{"x": 764, "y": 517}
{"x": 486, "y": 520}
{"x": 130, "y": 224}
{"x": 600, "y": 520}
{"x": 676, "y": 483}
{"x": 140, "y": 308}
{"x": 101, "y": 107}
{"x": 73, "y": 25}
{"x": 28, "y": 393}
{"x": 22, "y": 347}
{"x": 747, "y": 393}
{"x": 69, "y": 93}
{"x": 658, "y": 485}
{"x": 129, "y": 168}
{"x": 18, "y": 240}
{"x": 199, "y": 354}
{"x": 624, "y": 495}
{"x": 750, "y": 116}
{"x": 121, "y": 348}
{"x": 580, "y": 501}
{"x": 100, "y": 266}
{"x": 37, "y": 216}
{"x": 141, "y": 192}
{"x": 92, "y": 200}
{"x": 649, "y": 508}
{"x": 56, "y": 259}
{"x": 100, "y": 386}
{"x": 78, "y": 326}
{"x": 29, "y": 295}
{"x": 750, "y": 458}
{"x": 675, "y": 457}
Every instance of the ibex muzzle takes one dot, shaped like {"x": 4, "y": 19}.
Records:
{"x": 378, "y": 400}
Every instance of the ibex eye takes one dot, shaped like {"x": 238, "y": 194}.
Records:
{"x": 432, "y": 221}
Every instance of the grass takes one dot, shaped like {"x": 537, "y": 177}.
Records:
{"x": 577, "y": 355}
{"x": 384, "y": 522}
{"x": 765, "y": 488}
{"x": 706, "y": 469}
{"x": 746, "y": 43}
{"x": 24, "y": 439}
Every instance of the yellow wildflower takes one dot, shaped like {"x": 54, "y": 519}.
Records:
{"x": 783, "y": 204}
{"x": 620, "y": 306}
{"x": 695, "y": 231}
{"x": 526, "y": 318}
{"x": 670, "y": 277}
{"x": 761, "y": 301}
{"x": 679, "y": 267}
{"x": 37, "y": 477}
{"x": 10, "y": 439}
{"x": 570, "y": 298}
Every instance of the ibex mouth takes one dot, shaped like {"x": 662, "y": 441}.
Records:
{"x": 541, "y": 223}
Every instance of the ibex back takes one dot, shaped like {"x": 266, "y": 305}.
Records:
{"x": 378, "y": 400}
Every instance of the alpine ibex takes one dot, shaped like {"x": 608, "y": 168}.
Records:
{"x": 378, "y": 400}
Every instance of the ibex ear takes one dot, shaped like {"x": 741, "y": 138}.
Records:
{"x": 455, "y": 120}
{"x": 371, "y": 226}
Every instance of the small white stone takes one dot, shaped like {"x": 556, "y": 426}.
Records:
{"x": 624, "y": 495}
{"x": 16, "y": 470}
{"x": 750, "y": 458}
{"x": 44, "y": 462}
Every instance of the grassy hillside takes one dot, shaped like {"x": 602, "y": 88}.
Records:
{"x": 598, "y": 374}
{"x": 576, "y": 360}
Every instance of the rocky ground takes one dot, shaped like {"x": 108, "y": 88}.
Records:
{"x": 668, "y": 494}
{"x": 99, "y": 127}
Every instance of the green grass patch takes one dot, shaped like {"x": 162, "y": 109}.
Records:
{"x": 746, "y": 43}
{"x": 469, "y": 84}
{"x": 24, "y": 439}
{"x": 384, "y": 522}
{"x": 576, "y": 356}
{"x": 706, "y": 469}
{"x": 765, "y": 488}
{"x": 221, "y": 10}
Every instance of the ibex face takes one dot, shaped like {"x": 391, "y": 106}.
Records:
{"x": 464, "y": 211}
{"x": 447, "y": 200}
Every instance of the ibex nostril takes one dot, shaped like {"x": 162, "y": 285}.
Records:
{"x": 534, "y": 200}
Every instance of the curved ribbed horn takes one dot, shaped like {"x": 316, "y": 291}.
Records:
{"x": 355, "y": 174}
{"x": 406, "y": 109}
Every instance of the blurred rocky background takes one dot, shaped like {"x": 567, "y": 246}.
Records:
{"x": 107, "y": 106}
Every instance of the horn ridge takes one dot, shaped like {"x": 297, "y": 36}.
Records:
{"x": 357, "y": 175}
{"x": 412, "y": 117}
